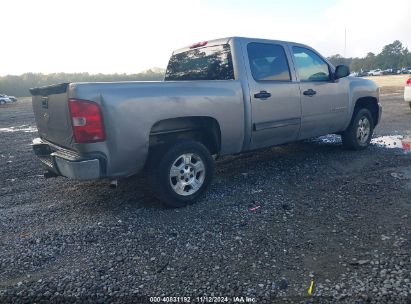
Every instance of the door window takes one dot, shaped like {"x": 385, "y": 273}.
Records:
{"x": 268, "y": 62}
{"x": 310, "y": 66}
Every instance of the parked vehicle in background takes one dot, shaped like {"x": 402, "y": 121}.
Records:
{"x": 7, "y": 99}
{"x": 406, "y": 70}
{"x": 362, "y": 73}
{"x": 4, "y": 99}
{"x": 12, "y": 98}
{"x": 219, "y": 97}
{"x": 377, "y": 72}
{"x": 407, "y": 92}
{"x": 390, "y": 72}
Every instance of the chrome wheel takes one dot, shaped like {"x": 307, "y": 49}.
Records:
{"x": 187, "y": 174}
{"x": 363, "y": 130}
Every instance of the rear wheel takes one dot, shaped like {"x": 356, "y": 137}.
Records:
{"x": 359, "y": 133}
{"x": 181, "y": 173}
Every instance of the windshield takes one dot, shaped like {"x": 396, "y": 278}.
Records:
{"x": 207, "y": 63}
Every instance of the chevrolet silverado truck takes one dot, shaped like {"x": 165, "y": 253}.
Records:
{"x": 219, "y": 97}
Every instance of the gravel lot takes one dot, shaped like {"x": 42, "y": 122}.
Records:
{"x": 272, "y": 223}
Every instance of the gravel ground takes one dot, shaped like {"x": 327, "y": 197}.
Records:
{"x": 273, "y": 222}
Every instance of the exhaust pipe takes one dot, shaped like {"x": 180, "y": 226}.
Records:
{"x": 113, "y": 183}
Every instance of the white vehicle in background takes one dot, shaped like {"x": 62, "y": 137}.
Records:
{"x": 377, "y": 72}
{"x": 407, "y": 92}
{"x": 12, "y": 98}
{"x": 4, "y": 99}
{"x": 406, "y": 70}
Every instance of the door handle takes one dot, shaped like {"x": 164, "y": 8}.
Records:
{"x": 262, "y": 95}
{"x": 309, "y": 92}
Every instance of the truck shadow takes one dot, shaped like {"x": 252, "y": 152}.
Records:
{"x": 132, "y": 193}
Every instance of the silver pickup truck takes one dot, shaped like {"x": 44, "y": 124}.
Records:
{"x": 219, "y": 97}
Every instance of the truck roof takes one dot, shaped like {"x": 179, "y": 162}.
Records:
{"x": 227, "y": 40}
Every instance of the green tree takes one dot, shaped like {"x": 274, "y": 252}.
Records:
{"x": 357, "y": 64}
{"x": 370, "y": 61}
{"x": 405, "y": 59}
{"x": 339, "y": 60}
{"x": 19, "y": 85}
{"x": 390, "y": 55}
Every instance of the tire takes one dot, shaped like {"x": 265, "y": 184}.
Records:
{"x": 181, "y": 173}
{"x": 409, "y": 104}
{"x": 359, "y": 133}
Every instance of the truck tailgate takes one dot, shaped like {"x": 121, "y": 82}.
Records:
{"x": 51, "y": 111}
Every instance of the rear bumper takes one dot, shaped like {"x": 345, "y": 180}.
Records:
{"x": 65, "y": 162}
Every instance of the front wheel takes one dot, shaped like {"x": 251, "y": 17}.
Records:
{"x": 359, "y": 133}
{"x": 182, "y": 173}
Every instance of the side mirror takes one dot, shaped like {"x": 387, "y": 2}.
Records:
{"x": 341, "y": 71}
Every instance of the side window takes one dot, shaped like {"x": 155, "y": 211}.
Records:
{"x": 310, "y": 66}
{"x": 268, "y": 62}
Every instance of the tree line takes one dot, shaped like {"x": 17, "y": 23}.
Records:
{"x": 19, "y": 85}
{"x": 392, "y": 56}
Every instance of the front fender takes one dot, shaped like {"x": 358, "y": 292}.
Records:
{"x": 361, "y": 88}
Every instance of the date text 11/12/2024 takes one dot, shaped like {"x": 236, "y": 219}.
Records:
{"x": 202, "y": 299}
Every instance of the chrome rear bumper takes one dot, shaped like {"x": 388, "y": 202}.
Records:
{"x": 66, "y": 162}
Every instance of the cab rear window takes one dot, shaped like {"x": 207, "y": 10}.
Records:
{"x": 206, "y": 63}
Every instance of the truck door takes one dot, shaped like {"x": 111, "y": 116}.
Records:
{"x": 324, "y": 102}
{"x": 275, "y": 99}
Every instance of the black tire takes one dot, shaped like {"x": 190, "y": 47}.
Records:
{"x": 350, "y": 137}
{"x": 162, "y": 179}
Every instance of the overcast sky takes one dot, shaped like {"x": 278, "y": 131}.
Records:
{"x": 126, "y": 36}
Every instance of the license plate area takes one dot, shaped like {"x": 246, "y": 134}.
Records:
{"x": 42, "y": 149}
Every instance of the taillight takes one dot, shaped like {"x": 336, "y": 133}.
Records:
{"x": 409, "y": 81}
{"x": 87, "y": 121}
{"x": 198, "y": 44}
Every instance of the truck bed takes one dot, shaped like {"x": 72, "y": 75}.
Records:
{"x": 131, "y": 109}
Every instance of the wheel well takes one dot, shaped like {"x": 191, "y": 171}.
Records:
{"x": 199, "y": 128}
{"x": 369, "y": 103}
